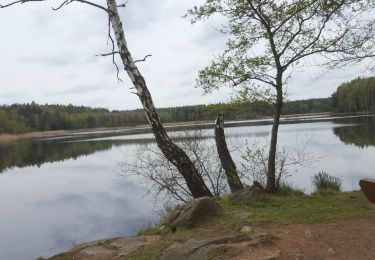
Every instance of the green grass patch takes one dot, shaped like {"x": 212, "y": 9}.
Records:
{"x": 287, "y": 189}
{"x": 290, "y": 209}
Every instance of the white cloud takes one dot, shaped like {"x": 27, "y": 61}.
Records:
{"x": 49, "y": 57}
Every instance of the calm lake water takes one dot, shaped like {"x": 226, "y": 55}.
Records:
{"x": 57, "y": 193}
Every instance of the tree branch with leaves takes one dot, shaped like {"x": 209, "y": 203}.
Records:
{"x": 268, "y": 39}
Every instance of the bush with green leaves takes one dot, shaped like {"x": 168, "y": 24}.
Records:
{"x": 325, "y": 183}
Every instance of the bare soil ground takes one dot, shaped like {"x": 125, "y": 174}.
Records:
{"x": 346, "y": 239}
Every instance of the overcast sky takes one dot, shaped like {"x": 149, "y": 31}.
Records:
{"x": 49, "y": 57}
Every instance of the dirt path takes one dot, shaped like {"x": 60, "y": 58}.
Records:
{"x": 349, "y": 239}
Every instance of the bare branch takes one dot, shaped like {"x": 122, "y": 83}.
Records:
{"x": 107, "y": 54}
{"x": 94, "y": 5}
{"x": 64, "y": 3}
{"x": 20, "y": 2}
{"x": 144, "y": 59}
{"x": 124, "y": 4}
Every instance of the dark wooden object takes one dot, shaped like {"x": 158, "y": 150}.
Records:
{"x": 368, "y": 188}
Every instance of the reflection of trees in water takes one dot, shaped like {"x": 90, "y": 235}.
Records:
{"x": 40, "y": 152}
{"x": 362, "y": 135}
{"x": 37, "y": 153}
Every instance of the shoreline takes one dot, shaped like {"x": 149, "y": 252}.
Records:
{"x": 9, "y": 138}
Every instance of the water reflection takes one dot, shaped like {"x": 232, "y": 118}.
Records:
{"x": 52, "y": 208}
{"x": 57, "y": 193}
{"x": 36, "y": 153}
{"x": 362, "y": 134}
{"x": 40, "y": 152}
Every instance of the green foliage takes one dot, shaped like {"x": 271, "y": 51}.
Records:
{"x": 21, "y": 118}
{"x": 286, "y": 189}
{"x": 326, "y": 184}
{"x": 292, "y": 209}
{"x": 357, "y": 95}
{"x": 267, "y": 38}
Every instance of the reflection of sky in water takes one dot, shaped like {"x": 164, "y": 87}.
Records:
{"x": 49, "y": 209}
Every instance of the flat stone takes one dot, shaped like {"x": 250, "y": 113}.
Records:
{"x": 308, "y": 257}
{"x": 311, "y": 235}
{"x": 194, "y": 249}
{"x": 247, "y": 229}
{"x": 128, "y": 245}
{"x": 272, "y": 254}
{"x": 95, "y": 252}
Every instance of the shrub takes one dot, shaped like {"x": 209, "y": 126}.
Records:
{"x": 326, "y": 184}
{"x": 286, "y": 189}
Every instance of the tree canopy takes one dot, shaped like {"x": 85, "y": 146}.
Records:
{"x": 357, "y": 95}
{"x": 269, "y": 39}
{"x": 21, "y": 118}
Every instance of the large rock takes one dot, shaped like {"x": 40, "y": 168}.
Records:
{"x": 195, "y": 212}
{"x": 208, "y": 248}
{"x": 254, "y": 192}
{"x": 116, "y": 248}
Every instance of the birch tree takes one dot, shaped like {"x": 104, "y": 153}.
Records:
{"x": 171, "y": 151}
{"x": 269, "y": 38}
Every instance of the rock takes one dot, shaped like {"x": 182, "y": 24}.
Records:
{"x": 247, "y": 194}
{"x": 95, "y": 252}
{"x": 308, "y": 257}
{"x": 127, "y": 245}
{"x": 243, "y": 215}
{"x": 311, "y": 235}
{"x": 247, "y": 229}
{"x": 195, "y": 212}
{"x": 272, "y": 255}
{"x": 207, "y": 248}
{"x": 114, "y": 248}
{"x": 331, "y": 251}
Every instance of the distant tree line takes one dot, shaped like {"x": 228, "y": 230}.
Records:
{"x": 357, "y": 95}
{"x": 21, "y": 118}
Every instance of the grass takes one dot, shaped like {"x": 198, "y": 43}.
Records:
{"x": 292, "y": 209}
{"x": 287, "y": 189}
{"x": 326, "y": 184}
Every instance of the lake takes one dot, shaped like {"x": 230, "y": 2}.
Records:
{"x": 56, "y": 193}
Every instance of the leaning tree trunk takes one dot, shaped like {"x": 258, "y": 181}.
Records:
{"x": 227, "y": 162}
{"x": 172, "y": 152}
{"x": 271, "y": 174}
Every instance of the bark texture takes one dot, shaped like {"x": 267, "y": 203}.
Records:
{"x": 271, "y": 174}
{"x": 173, "y": 153}
{"x": 227, "y": 162}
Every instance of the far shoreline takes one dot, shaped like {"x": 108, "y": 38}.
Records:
{"x": 10, "y": 138}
